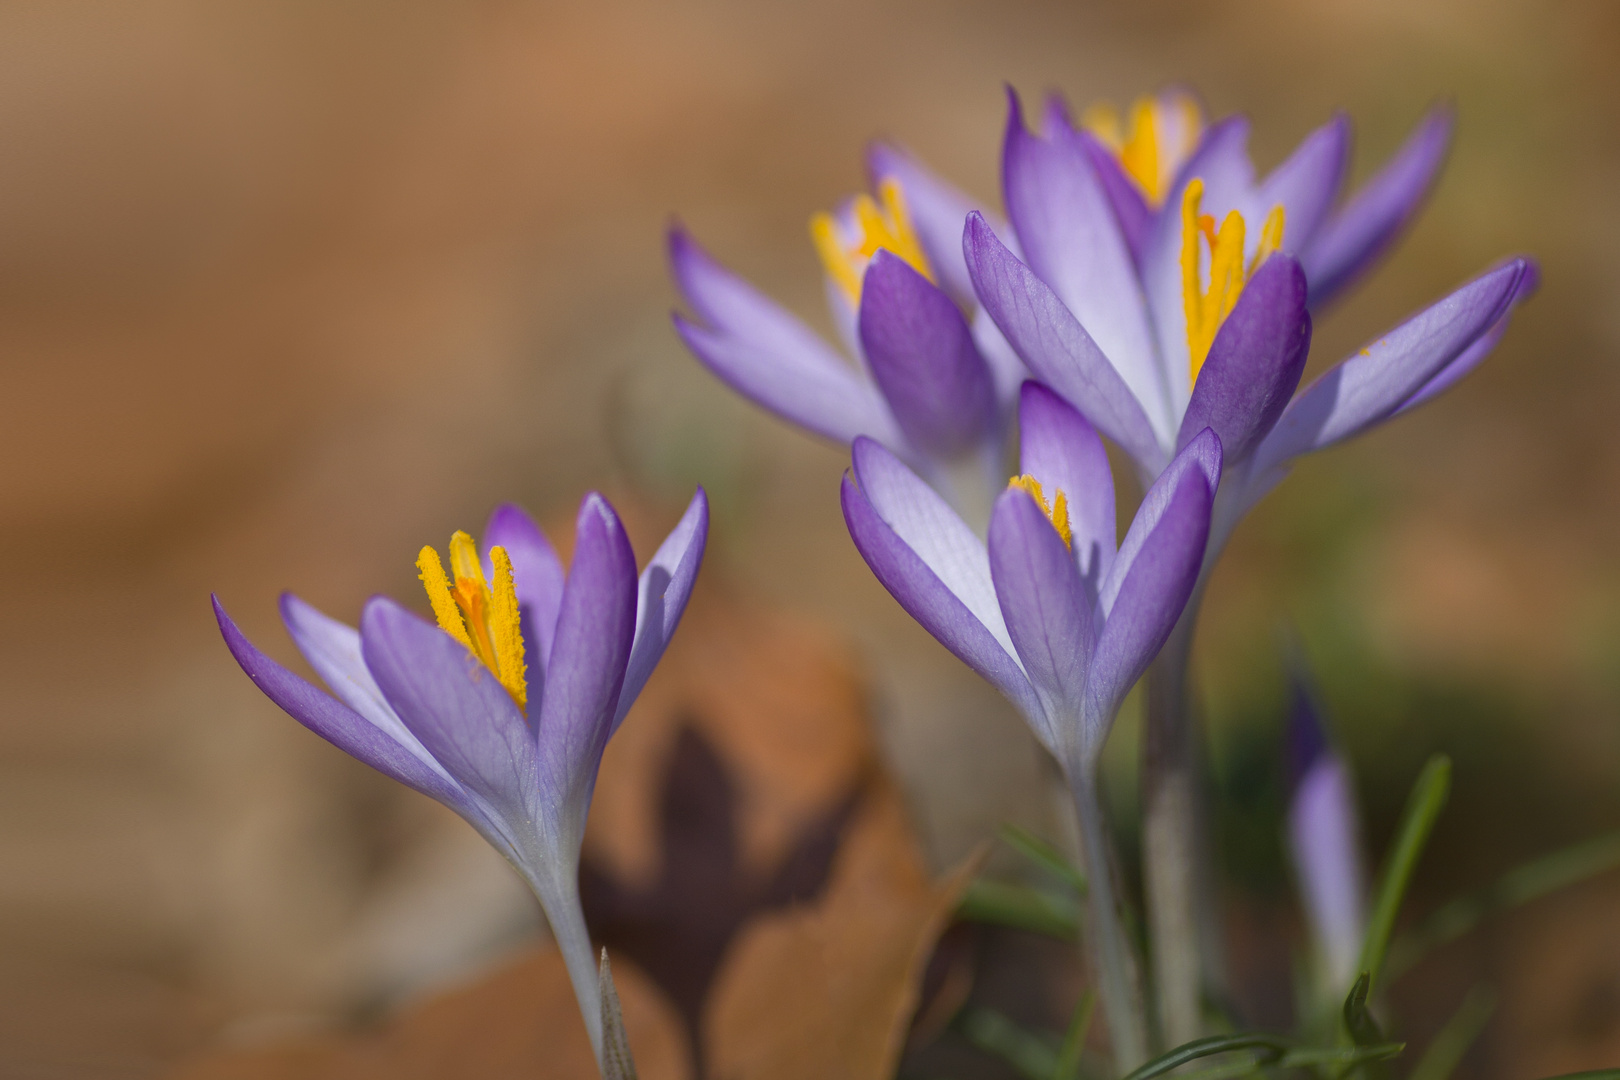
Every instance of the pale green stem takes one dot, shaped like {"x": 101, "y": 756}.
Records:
{"x": 559, "y": 898}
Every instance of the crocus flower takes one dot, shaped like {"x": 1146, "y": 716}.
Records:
{"x": 1325, "y": 845}
{"x": 502, "y": 710}
{"x": 924, "y": 382}
{"x": 1213, "y": 328}
{"x": 1051, "y": 612}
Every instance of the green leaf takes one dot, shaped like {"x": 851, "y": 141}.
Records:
{"x": 1595, "y": 1074}
{"x": 1275, "y": 1046}
{"x": 1021, "y": 908}
{"x": 616, "y": 1061}
{"x": 993, "y": 1033}
{"x": 1423, "y": 808}
{"x": 1044, "y": 855}
{"x": 1518, "y": 886}
{"x": 1358, "y": 1022}
{"x": 1074, "y": 1040}
{"x": 1296, "y": 1059}
{"x": 1446, "y": 1052}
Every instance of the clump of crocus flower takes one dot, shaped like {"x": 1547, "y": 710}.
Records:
{"x": 502, "y": 710}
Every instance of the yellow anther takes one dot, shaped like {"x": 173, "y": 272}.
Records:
{"x": 1161, "y": 133}
{"x": 481, "y": 615}
{"x": 881, "y": 224}
{"x": 1057, "y": 511}
{"x": 1208, "y": 308}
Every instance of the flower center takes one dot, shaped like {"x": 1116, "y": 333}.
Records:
{"x": 1207, "y": 308}
{"x": 1057, "y": 512}
{"x": 883, "y": 223}
{"x": 1159, "y": 136}
{"x": 482, "y": 616}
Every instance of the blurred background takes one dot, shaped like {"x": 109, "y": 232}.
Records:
{"x": 289, "y": 289}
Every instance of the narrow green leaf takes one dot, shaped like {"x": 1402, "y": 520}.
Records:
{"x": 1595, "y": 1074}
{"x": 1044, "y": 855}
{"x": 1446, "y": 1052}
{"x": 1274, "y": 1045}
{"x": 1074, "y": 1040}
{"x": 1358, "y": 1022}
{"x": 1028, "y": 1053}
{"x": 1295, "y": 1059}
{"x": 1021, "y": 908}
{"x": 1518, "y": 886}
{"x": 1423, "y": 808}
{"x": 616, "y": 1061}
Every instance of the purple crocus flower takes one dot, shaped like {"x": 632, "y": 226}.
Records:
{"x": 502, "y": 711}
{"x": 1324, "y": 843}
{"x": 928, "y": 381}
{"x": 1056, "y": 617}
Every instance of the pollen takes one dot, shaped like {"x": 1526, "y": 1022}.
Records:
{"x": 1057, "y": 511}
{"x": 1157, "y": 138}
{"x": 878, "y": 224}
{"x": 482, "y": 615}
{"x": 1208, "y": 307}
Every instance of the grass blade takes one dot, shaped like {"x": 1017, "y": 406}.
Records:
{"x": 1446, "y": 1052}
{"x": 1423, "y": 808}
{"x": 1026, "y": 1052}
{"x": 1074, "y": 1040}
{"x": 1044, "y": 855}
{"x": 1275, "y": 1046}
{"x": 1021, "y": 908}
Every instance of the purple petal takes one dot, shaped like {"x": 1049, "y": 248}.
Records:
{"x": 1007, "y": 371}
{"x": 664, "y": 587}
{"x": 1372, "y": 385}
{"x": 1255, "y": 362}
{"x": 922, "y": 357}
{"x": 1054, "y": 345}
{"x": 1073, "y": 243}
{"x": 595, "y": 632}
{"x": 1471, "y": 357}
{"x": 1046, "y": 605}
{"x": 1129, "y": 204}
{"x": 1324, "y": 842}
{"x": 1203, "y": 455}
{"x": 333, "y": 650}
{"x": 1351, "y": 239}
{"x": 537, "y": 575}
{"x": 770, "y": 357}
{"x": 1061, "y": 450}
{"x": 453, "y": 704}
{"x": 937, "y": 212}
{"x": 1306, "y": 184}
{"x": 932, "y": 602}
{"x": 1152, "y": 592}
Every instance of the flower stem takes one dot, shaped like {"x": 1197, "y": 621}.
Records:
{"x": 559, "y": 898}
{"x": 1106, "y": 943}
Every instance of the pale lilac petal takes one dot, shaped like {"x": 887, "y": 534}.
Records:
{"x": 938, "y": 211}
{"x": 1159, "y": 578}
{"x": 1307, "y": 183}
{"x": 1046, "y": 605}
{"x": 333, "y": 650}
{"x": 1255, "y": 362}
{"x": 1202, "y": 455}
{"x": 928, "y": 526}
{"x": 1130, "y": 205}
{"x": 664, "y": 587}
{"x": 1373, "y": 384}
{"x": 1061, "y": 450}
{"x": 923, "y": 359}
{"x": 937, "y": 608}
{"x": 537, "y": 576}
{"x": 1325, "y": 846}
{"x": 1007, "y": 371}
{"x": 1055, "y": 347}
{"x": 1351, "y": 239}
{"x": 1471, "y": 357}
{"x": 595, "y": 632}
{"x": 1072, "y": 241}
{"x": 453, "y": 704}
{"x": 768, "y": 356}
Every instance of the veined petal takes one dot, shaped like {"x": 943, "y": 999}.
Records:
{"x": 928, "y": 527}
{"x": 1471, "y": 357}
{"x": 1007, "y": 371}
{"x": 663, "y": 589}
{"x": 937, "y": 208}
{"x": 1047, "y": 607}
{"x": 1064, "y": 453}
{"x": 595, "y": 632}
{"x": 537, "y": 576}
{"x": 1154, "y": 588}
{"x": 450, "y": 701}
{"x": 923, "y": 358}
{"x": 1351, "y": 239}
{"x": 764, "y": 353}
{"x": 1072, "y": 241}
{"x": 1373, "y": 384}
{"x": 939, "y": 609}
{"x": 1130, "y": 206}
{"x": 1056, "y": 348}
{"x": 1202, "y": 455}
{"x": 1307, "y": 183}
{"x": 1255, "y": 362}
{"x": 333, "y": 650}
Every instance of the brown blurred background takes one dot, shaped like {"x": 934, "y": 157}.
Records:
{"x": 289, "y": 289}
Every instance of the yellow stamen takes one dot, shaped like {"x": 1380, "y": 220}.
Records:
{"x": 1208, "y": 308}
{"x": 1161, "y": 132}
{"x": 882, "y": 224}
{"x": 1057, "y": 512}
{"x": 481, "y": 615}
